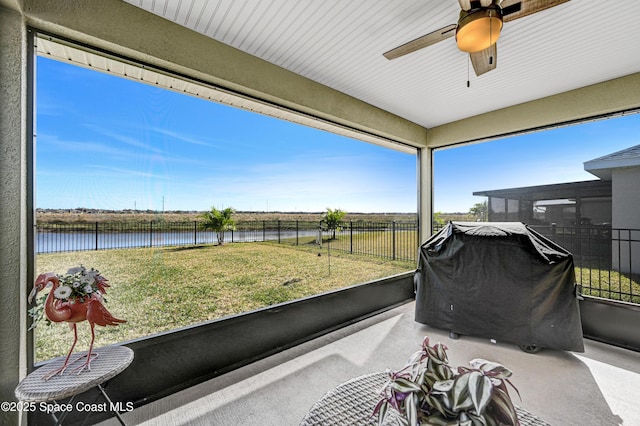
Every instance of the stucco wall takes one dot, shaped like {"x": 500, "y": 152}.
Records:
{"x": 13, "y": 203}
{"x": 626, "y": 197}
{"x": 626, "y": 216}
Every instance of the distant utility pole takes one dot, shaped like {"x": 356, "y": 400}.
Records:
{"x": 163, "y": 204}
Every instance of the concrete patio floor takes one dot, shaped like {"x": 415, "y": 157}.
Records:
{"x": 598, "y": 387}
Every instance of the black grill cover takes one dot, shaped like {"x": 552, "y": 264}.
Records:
{"x": 500, "y": 280}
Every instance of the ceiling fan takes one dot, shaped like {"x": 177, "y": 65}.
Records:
{"x": 478, "y": 29}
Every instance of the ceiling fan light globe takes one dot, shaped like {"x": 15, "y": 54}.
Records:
{"x": 478, "y": 30}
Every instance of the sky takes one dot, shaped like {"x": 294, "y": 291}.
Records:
{"x": 107, "y": 142}
{"x": 541, "y": 158}
{"x": 111, "y": 143}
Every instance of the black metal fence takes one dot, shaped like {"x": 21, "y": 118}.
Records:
{"x": 388, "y": 240}
{"x": 54, "y": 238}
{"x": 391, "y": 240}
{"x": 607, "y": 259}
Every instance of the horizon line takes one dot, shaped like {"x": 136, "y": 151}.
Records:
{"x": 94, "y": 210}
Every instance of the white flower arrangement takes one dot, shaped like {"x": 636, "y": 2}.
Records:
{"x": 63, "y": 292}
{"x": 78, "y": 285}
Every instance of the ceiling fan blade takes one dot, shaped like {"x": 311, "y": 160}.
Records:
{"x": 485, "y": 60}
{"x": 514, "y": 9}
{"x": 465, "y": 4}
{"x": 422, "y": 42}
{"x": 473, "y": 4}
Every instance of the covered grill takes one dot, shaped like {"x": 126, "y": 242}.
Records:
{"x": 500, "y": 280}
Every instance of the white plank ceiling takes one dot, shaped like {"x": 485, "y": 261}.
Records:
{"x": 339, "y": 43}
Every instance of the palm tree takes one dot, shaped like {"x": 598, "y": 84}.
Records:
{"x": 332, "y": 218}
{"x": 219, "y": 221}
{"x": 479, "y": 211}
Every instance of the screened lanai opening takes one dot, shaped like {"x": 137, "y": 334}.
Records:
{"x": 573, "y": 184}
{"x": 129, "y": 158}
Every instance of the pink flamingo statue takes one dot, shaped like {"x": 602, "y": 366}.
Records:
{"x": 72, "y": 312}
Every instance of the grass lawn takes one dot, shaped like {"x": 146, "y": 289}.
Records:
{"x": 609, "y": 284}
{"x": 159, "y": 289}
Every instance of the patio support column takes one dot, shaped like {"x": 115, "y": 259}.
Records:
{"x": 425, "y": 192}
{"x": 13, "y": 209}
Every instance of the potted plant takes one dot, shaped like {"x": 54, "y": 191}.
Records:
{"x": 427, "y": 391}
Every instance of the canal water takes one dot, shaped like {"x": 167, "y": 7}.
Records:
{"x": 53, "y": 242}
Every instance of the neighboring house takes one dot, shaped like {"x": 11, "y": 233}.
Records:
{"x": 613, "y": 202}
{"x": 622, "y": 168}
{"x": 562, "y": 204}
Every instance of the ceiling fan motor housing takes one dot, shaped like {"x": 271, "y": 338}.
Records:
{"x": 479, "y": 27}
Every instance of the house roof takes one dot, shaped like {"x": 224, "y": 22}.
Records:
{"x": 602, "y": 166}
{"x": 558, "y": 191}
